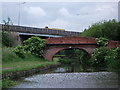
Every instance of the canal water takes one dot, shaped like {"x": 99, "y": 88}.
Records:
{"x": 62, "y": 77}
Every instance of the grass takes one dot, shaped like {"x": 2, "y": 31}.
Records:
{"x": 24, "y": 65}
{"x": 12, "y": 63}
{"x": 7, "y": 83}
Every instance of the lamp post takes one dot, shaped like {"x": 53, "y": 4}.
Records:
{"x": 19, "y": 12}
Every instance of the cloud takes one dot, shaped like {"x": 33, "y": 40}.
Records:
{"x": 76, "y": 18}
{"x": 35, "y": 11}
{"x": 58, "y": 23}
{"x": 64, "y": 12}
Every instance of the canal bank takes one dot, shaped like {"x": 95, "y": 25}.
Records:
{"x": 53, "y": 75}
{"x": 10, "y": 76}
{"x": 70, "y": 80}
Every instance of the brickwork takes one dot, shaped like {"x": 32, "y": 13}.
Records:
{"x": 86, "y": 44}
{"x": 71, "y": 40}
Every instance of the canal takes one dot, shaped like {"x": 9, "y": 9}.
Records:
{"x": 66, "y": 77}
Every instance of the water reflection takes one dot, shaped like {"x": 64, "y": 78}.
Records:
{"x": 60, "y": 78}
{"x": 71, "y": 80}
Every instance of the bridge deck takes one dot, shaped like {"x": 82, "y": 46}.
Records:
{"x": 34, "y": 30}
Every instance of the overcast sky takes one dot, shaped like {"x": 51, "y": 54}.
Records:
{"x": 71, "y": 16}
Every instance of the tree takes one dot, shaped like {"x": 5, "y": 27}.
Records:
{"x": 8, "y": 22}
{"x": 106, "y": 29}
{"x": 7, "y": 39}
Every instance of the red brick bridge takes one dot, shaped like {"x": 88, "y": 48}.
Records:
{"x": 86, "y": 44}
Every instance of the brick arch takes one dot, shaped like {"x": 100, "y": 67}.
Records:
{"x": 58, "y": 50}
{"x": 50, "y": 51}
{"x": 54, "y": 45}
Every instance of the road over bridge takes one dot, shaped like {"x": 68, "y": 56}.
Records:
{"x": 22, "y": 33}
{"x": 86, "y": 44}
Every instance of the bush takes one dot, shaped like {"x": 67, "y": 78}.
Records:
{"x": 98, "y": 57}
{"x": 6, "y": 83}
{"x": 9, "y": 56}
{"x": 7, "y": 39}
{"x": 35, "y": 46}
{"x": 113, "y": 59}
{"x": 19, "y": 51}
{"x": 102, "y": 41}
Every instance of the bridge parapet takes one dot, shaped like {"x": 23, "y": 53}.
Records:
{"x": 71, "y": 40}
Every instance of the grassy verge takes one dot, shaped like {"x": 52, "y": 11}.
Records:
{"x": 21, "y": 66}
{"x": 8, "y": 82}
{"x": 24, "y": 65}
{"x": 12, "y": 63}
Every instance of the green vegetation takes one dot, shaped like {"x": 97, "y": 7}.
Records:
{"x": 74, "y": 57}
{"x": 24, "y": 65}
{"x": 65, "y": 61}
{"x": 102, "y": 56}
{"x": 7, "y": 83}
{"x": 113, "y": 59}
{"x": 9, "y": 56}
{"x": 98, "y": 57}
{"x": 106, "y": 58}
{"x": 7, "y": 39}
{"x": 21, "y": 58}
{"x": 102, "y": 41}
{"x": 13, "y": 63}
{"x": 83, "y": 58}
{"x": 106, "y": 29}
{"x": 30, "y": 55}
{"x": 33, "y": 45}
{"x": 19, "y": 51}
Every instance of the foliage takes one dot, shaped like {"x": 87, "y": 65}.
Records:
{"x": 98, "y": 57}
{"x": 106, "y": 29}
{"x": 25, "y": 65}
{"x": 22, "y": 66}
{"x": 8, "y": 55}
{"x": 6, "y": 83}
{"x": 7, "y": 39}
{"x": 113, "y": 59}
{"x": 75, "y": 56}
{"x": 106, "y": 58}
{"x": 102, "y": 41}
{"x": 8, "y": 22}
{"x": 19, "y": 50}
{"x": 65, "y": 61}
{"x": 70, "y": 53}
{"x": 82, "y": 56}
{"x": 35, "y": 46}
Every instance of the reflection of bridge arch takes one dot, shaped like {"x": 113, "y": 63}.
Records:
{"x": 55, "y": 45}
